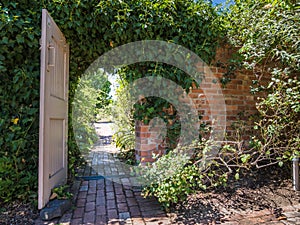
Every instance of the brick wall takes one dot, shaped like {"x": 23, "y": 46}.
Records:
{"x": 206, "y": 97}
{"x": 237, "y": 99}
{"x": 149, "y": 141}
{"x": 236, "y": 93}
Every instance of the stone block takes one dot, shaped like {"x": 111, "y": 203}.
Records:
{"x": 55, "y": 208}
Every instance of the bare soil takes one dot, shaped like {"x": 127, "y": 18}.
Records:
{"x": 270, "y": 189}
{"x": 17, "y": 213}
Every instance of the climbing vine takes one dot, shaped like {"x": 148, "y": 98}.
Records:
{"x": 91, "y": 28}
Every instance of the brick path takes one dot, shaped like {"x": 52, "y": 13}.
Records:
{"x": 105, "y": 193}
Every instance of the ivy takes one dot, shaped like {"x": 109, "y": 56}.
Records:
{"x": 91, "y": 28}
{"x": 19, "y": 99}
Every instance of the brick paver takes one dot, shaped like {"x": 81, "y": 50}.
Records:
{"x": 107, "y": 194}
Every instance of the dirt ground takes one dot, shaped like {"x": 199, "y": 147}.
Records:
{"x": 268, "y": 189}
{"x": 17, "y": 213}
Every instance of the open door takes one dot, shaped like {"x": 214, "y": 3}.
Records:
{"x": 53, "y": 132}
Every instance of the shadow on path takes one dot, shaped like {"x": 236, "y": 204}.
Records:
{"x": 104, "y": 192}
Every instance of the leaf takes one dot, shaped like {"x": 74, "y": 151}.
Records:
{"x": 245, "y": 157}
{"x": 237, "y": 176}
{"x": 5, "y": 40}
{"x": 20, "y": 39}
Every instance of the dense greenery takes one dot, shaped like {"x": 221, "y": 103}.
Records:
{"x": 122, "y": 113}
{"x": 91, "y": 28}
{"x": 267, "y": 34}
{"x": 19, "y": 99}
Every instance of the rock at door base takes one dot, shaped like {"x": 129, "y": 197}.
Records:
{"x": 55, "y": 208}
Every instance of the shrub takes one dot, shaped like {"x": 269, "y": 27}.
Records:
{"x": 267, "y": 34}
{"x": 122, "y": 113}
{"x": 171, "y": 178}
{"x": 278, "y": 130}
{"x": 19, "y": 99}
{"x": 175, "y": 188}
{"x": 176, "y": 175}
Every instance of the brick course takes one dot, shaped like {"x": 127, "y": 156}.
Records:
{"x": 148, "y": 142}
{"x": 208, "y": 101}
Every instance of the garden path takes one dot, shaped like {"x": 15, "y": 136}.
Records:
{"x": 105, "y": 193}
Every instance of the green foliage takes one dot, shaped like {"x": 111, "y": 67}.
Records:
{"x": 267, "y": 33}
{"x": 175, "y": 175}
{"x": 124, "y": 138}
{"x": 128, "y": 156}
{"x": 62, "y": 192}
{"x": 170, "y": 178}
{"x": 19, "y": 100}
{"x": 122, "y": 113}
{"x": 91, "y": 28}
{"x": 175, "y": 188}
{"x": 104, "y": 99}
{"x": 85, "y": 108}
{"x": 279, "y": 126}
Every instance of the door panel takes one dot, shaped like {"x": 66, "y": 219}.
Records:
{"x": 53, "y": 109}
{"x": 57, "y": 162}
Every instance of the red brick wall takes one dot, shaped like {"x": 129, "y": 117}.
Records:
{"x": 236, "y": 94}
{"x": 237, "y": 97}
{"x": 148, "y": 141}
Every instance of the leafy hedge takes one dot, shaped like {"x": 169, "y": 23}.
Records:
{"x": 19, "y": 99}
{"x": 91, "y": 28}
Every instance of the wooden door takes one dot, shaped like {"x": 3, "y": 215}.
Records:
{"x": 53, "y": 131}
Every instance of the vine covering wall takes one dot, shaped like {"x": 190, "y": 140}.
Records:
{"x": 91, "y": 28}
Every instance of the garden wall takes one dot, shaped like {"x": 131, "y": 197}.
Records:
{"x": 148, "y": 142}
{"x": 238, "y": 99}
{"x": 240, "y": 105}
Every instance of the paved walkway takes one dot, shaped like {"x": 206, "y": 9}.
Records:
{"x": 105, "y": 193}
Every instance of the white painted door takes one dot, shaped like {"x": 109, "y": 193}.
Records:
{"x": 53, "y": 132}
